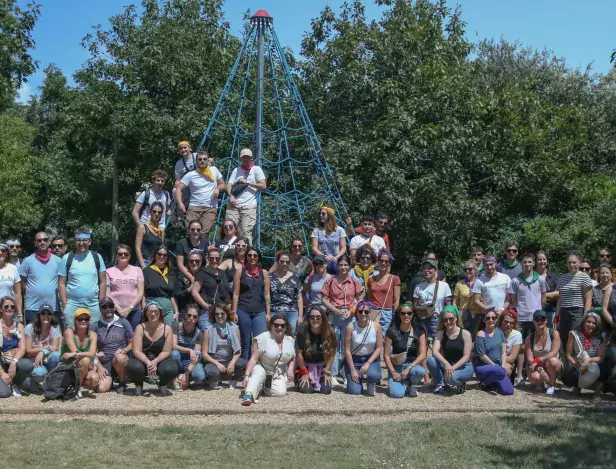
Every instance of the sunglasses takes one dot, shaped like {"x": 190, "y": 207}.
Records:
{"x": 509, "y": 323}
{"x": 406, "y": 313}
{"x": 449, "y": 319}
{"x": 42, "y": 240}
{"x": 220, "y": 315}
{"x": 586, "y": 269}
{"x": 202, "y": 160}
{"x": 278, "y": 325}
{"x": 14, "y": 245}
{"x": 604, "y": 255}
{"x": 363, "y": 312}
{"x": 241, "y": 246}
{"x": 214, "y": 259}
{"x": 297, "y": 246}
{"x": 252, "y": 256}
{"x": 228, "y": 227}
{"x": 123, "y": 254}
{"x": 195, "y": 230}
{"x": 45, "y": 313}
{"x": 540, "y": 320}
{"x": 4, "y": 251}
{"x": 161, "y": 255}
{"x": 469, "y": 269}
{"x": 82, "y": 319}
{"x": 107, "y": 306}
{"x": 9, "y": 307}
{"x": 491, "y": 318}
{"x": 284, "y": 262}
{"x": 191, "y": 316}
{"x": 315, "y": 318}
{"x": 59, "y": 245}
{"x": 194, "y": 261}
{"x": 384, "y": 261}
{"x": 512, "y": 250}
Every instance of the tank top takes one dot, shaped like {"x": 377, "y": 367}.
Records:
{"x": 369, "y": 345}
{"x": 540, "y": 352}
{"x": 150, "y": 348}
{"x": 85, "y": 348}
{"x": 453, "y": 349}
{"x": 252, "y": 293}
{"x": 149, "y": 244}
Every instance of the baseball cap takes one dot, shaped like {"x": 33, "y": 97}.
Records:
{"x": 540, "y": 314}
{"x": 104, "y": 301}
{"x": 319, "y": 258}
{"x": 45, "y": 307}
{"x": 246, "y": 152}
{"x": 82, "y": 312}
{"x": 432, "y": 262}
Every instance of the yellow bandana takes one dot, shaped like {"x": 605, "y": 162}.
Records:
{"x": 157, "y": 231}
{"x": 207, "y": 172}
{"x": 365, "y": 274}
{"x": 163, "y": 273}
{"x": 329, "y": 210}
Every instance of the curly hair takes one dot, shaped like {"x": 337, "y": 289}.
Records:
{"x": 362, "y": 250}
{"x": 226, "y": 308}
{"x": 37, "y": 326}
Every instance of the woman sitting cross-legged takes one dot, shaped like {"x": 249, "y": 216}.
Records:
{"x": 152, "y": 345}
{"x": 491, "y": 355}
{"x": 363, "y": 342}
{"x": 43, "y": 340}
{"x": 450, "y": 363}
{"x": 405, "y": 349}
{"x": 508, "y": 323}
{"x": 315, "y": 349}
{"x": 187, "y": 340}
{"x": 542, "y": 349}
{"x": 585, "y": 351}
{"x": 14, "y": 367}
{"x": 79, "y": 347}
{"x": 222, "y": 348}
{"x": 271, "y": 352}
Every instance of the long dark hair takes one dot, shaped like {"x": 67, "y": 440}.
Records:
{"x": 396, "y": 321}
{"x": 328, "y": 336}
{"x": 36, "y": 325}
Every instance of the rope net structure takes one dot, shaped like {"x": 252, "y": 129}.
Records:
{"x": 260, "y": 108}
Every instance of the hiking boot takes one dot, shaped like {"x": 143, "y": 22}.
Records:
{"x": 138, "y": 390}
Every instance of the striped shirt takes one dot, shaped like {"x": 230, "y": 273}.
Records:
{"x": 592, "y": 349}
{"x": 572, "y": 289}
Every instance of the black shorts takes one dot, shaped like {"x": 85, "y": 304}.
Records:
{"x": 110, "y": 369}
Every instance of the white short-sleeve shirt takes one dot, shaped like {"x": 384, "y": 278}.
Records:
{"x": 201, "y": 188}
{"x": 248, "y": 198}
{"x": 9, "y": 276}
{"x": 424, "y": 292}
{"x": 493, "y": 290}
{"x": 515, "y": 338}
{"x": 376, "y": 243}
{"x": 183, "y": 166}
{"x": 162, "y": 197}
{"x": 269, "y": 351}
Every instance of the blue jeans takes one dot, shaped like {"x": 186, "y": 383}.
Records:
{"x": 204, "y": 320}
{"x": 429, "y": 325}
{"x": 52, "y": 361}
{"x": 526, "y": 327}
{"x": 197, "y": 374}
{"x": 385, "y": 320}
{"x": 292, "y": 318}
{"x": 339, "y": 325}
{"x": 397, "y": 389}
{"x": 251, "y": 325}
{"x": 134, "y": 317}
{"x": 373, "y": 375}
{"x": 436, "y": 368}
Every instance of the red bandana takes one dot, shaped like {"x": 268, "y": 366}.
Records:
{"x": 42, "y": 259}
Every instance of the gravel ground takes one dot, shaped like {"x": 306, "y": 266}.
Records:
{"x": 225, "y": 402}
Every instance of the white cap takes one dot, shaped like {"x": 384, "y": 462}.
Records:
{"x": 246, "y": 152}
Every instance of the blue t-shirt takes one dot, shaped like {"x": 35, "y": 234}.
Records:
{"x": 490, "y": 346}
{"x": 82, "y": 286}
{"x": 42, "y": 281}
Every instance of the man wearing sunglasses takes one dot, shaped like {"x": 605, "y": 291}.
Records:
{"x": 114, "y": 343}
{"x": 14, "y": 249}
{"x": 510, "y": 266}
{"x": 39, "y": 278}
{"x": 59, "y": 246}
{"x": 81, "y": 279}
{"x": 381, "y": 224}
{"x": 605, "y": 257}
{"x": 205, "y": 183}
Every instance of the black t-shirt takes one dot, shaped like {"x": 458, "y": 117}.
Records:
{"x": 314, "y": 352}
{"x": 551, "y": 282}
{"x": 184, "y": 246}
{"x": 403, "y": 344}
{"x": 214, "y": 287}
{"x": 155, "y": 286}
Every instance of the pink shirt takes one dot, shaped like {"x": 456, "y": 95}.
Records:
{"x": 122, "y": 284}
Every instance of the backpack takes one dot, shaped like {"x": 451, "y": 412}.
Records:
{"x": 146, "y": 200}
{"x": 532, "y": 336}
{"x": 71, "y": 256}
{"x": 61, "y": 383}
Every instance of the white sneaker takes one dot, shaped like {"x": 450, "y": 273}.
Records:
{"x": 519, "y": 381}
{"x": 370, "y": 389}
{"x": 550, "y": 391}
{"x": 232, "y": 384}
{"x": 16, "y": 391}
{"x": 413, "y": 391}
{"x": 335, "y": 382}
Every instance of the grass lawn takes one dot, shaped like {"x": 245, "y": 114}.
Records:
{"x": 527, "y": 441}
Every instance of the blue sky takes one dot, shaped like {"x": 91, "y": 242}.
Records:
{"x": 575, "y": 30}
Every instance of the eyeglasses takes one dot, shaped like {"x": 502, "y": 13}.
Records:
{"x": 202, "y": 160}
{"x": 315, "y": 318}
{"x": 278, "y": 325}
{"x": 363, "y": 312}
{"x": 82, "y": 241}
{"x": 45, "y": 313}
{"x": 42, "y": 240}
{"x": 9, "y": 307}
{"x": 384, "y": 261}
{"x": 194, "y": 261}
{"x": 195, "y": 230}
{"x": 58, "y": 245}
{"x": 406, "y": 313}
{"x": 491, "y": 318}
{"x": 191, "y": 316}
{"x": 228, "y": 227}
{"x": 366, "y": 258}
{"x": 82, "y": 319}
{"x": 252, "y": 256}
{"x": 284, "y": 262}
{"x": 469, "y": 269}
{"x": 585, "y": 269}
{"x": 540, "y": 320}
{"x": 604, "y": 255}
{"x": 123, "y": 254}
{"x": 220, "y": 315}
{"x": 512, "y": 250}
{"x": 162, "y": 255}
{"x": 298, "y": 246}
{"x": 449, "y": 319}
{"x": 13, "y": 245}
{"x": 214, "y": 259}
{"x": 108, "y": 306}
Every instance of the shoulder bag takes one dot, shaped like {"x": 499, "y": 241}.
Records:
{"x": 427, "y": 311}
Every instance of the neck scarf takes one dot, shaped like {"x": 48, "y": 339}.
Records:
{"x": 155, "y": 229}
{"x": 254, "y": 273}
{"x": 43, "y": 259}
{"x": 163, "y": 273}
{"x": 365, "y": 274}
{"x": 207, "y": 173}
{"x": 526, "y": 282}
{"x": 224, "y": 333}
{"x": 510, "y": 266}
{"x": 587, "y": 337}
{"x": 247, "y": 167}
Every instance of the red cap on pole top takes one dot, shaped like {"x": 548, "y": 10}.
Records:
{"x": 262, "y": 14}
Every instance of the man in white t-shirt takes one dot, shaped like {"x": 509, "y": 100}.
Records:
{"x": 424, "y": 295}
{"x": 205, "y": 184}
{"x": 367, "y": 236}
{"x": 184, "y": 164}
{"x": 157, "y": 193}
{"x": 491, "y": 288}
{"x": 246, "y": 180}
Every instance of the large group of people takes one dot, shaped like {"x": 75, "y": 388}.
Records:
{"x": 339, "y": 318}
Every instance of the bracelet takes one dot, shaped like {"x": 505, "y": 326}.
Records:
{"x": 197, "y": 352}
{"x": 131, "y": 306}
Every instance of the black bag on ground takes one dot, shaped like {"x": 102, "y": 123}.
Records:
{"x": 61, "y": 383}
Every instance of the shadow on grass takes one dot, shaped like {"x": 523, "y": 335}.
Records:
{"x": 586, "y": 441}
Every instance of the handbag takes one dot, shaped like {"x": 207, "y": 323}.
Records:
{"x": 583, "y": 355}
{"x": 427, "y": 311}
{"x": 400, "y": 358}
{"x": 8, "y": 357}
{"x": 364, "y": 338}
{"x": 375, "y": 316}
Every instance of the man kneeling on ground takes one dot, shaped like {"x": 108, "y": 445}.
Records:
{"x": 115, "y": 340}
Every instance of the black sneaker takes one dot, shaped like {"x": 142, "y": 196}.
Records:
{"x": 138, "y": 390}
{"x": 121, "y": 389}
{"x": 164, "y": 391}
